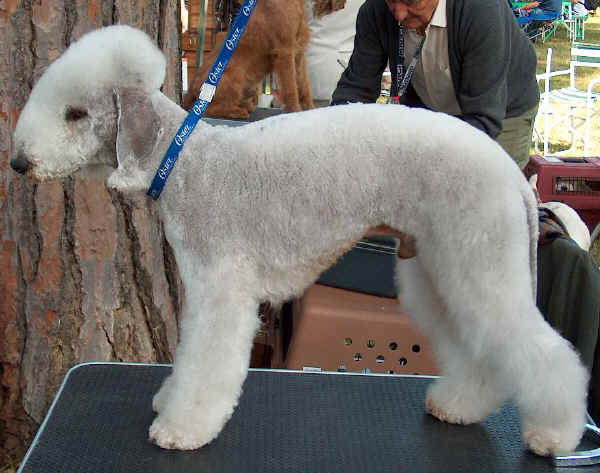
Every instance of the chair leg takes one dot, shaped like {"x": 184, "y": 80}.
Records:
{"x": 546, "y": 130}
{"x": 572, "y": 130}
{"x": 567, "y": 25}
{"x": 588, "y": 126}
{"x": 581, "y": 30}
{"x": 570, "y": 120}
{"x": 592, "y": 109}
{"x": 536, "y": 137}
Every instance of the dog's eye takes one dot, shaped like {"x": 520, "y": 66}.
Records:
{"x": 75, "y": 113}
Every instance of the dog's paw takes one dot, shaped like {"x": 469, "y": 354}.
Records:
{"x": 450, "y": 414}
{"x": 171, "y": 436}
{"x": 455, "y": 407}
{"x": 552, "y": 437}
{"x": 546, "y": 442}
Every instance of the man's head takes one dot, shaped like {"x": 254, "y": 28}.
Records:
{"x": 413, "y": 14}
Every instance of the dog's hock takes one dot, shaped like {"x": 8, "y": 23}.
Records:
{"x": 138, "y": 131}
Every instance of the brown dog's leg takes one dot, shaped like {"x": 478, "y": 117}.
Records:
{"x": 303, "y": 84}
{"x": 229, "y": 100}
{"x": 285, "y": 68}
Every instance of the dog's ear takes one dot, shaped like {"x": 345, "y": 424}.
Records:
{"x": 138, "y": 130}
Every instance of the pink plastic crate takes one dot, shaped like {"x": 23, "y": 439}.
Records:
{"x": 573, "y": 181}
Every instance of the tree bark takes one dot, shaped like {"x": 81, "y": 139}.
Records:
{"x": 85, "y": 273}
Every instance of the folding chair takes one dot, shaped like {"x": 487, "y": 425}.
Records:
{"x": 575, "y": 24}
{"x": 534, "y": 25}
{"x": 538, "y": 26}
{"x": 571, "y": 98}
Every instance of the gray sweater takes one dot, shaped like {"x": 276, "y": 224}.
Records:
{"x": 493, "y": 64}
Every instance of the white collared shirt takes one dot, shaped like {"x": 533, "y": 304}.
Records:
{"x": 432, "y": 78}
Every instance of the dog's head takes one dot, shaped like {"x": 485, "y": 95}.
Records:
{"x": 71, "y": 118}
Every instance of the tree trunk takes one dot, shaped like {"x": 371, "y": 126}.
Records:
{"x": 85, "y": 273}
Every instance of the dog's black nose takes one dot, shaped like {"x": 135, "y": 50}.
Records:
{"x": 20, "y": 163}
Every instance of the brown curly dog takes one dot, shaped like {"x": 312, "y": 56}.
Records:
{"x": 325, "y": 7}
{"x": 274, "y": 41}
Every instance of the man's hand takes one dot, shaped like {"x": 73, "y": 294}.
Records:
{"x": 530, "y": 6}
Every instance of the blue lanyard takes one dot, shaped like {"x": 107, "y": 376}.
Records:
{"x": 402, "y": 78}
{"x": 207, "y": 93}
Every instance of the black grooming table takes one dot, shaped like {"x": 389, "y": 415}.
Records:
{"x": 286, "y": 422}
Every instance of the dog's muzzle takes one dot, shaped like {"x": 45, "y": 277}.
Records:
{"x": 20, "y": 163}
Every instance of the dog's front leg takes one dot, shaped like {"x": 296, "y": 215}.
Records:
{"x": 211, "y": 364}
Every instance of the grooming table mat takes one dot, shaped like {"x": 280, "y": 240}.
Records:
{"x": 285, "y": 422}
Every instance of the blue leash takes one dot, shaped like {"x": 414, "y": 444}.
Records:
{"x": 207, "y": 93}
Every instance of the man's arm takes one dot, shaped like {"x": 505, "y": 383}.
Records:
{"x": 529, "y": 6}
{"x": 361, "y": 81}
{"x": 483, "y": 52}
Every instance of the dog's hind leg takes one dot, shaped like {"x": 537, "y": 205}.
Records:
{"x": 230, "y": 100}
{"x": 285, "y": 68}
{"x": 486, "y": 290}
{"x": 211, "y": 361}
{"x": 303, "y": 83}
{"x": 466, "y": 392}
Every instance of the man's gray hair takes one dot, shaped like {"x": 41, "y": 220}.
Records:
{"x": 406, "y": 2}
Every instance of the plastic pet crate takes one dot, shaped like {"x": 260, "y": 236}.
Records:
{"x": 341, "y": 330}
{"x": 573, "y": 181}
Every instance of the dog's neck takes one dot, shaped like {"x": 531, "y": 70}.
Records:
{"x": 171, "y": 117}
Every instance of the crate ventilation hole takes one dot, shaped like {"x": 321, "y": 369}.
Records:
{"x": 393, "y": 346}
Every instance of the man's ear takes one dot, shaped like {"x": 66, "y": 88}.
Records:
{"x": 138, "y": 131}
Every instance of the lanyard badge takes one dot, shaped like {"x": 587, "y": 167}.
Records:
{"x": 402, "y": 77}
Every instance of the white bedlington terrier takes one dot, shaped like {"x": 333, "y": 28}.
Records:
{"x": 257, "y": 212}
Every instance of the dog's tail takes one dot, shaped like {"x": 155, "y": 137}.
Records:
{"x": 530, "y": 203}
